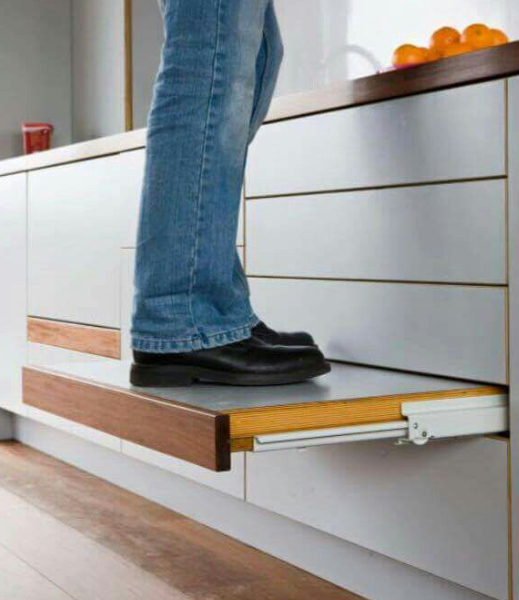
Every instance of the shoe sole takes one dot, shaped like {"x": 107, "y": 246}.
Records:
{"x": 179, "y": 376}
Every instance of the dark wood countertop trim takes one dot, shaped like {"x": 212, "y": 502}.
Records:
{"x": 199, "y": 436}
{"x": 475, "y": 67}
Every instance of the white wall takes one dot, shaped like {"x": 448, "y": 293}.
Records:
{"x": 328, "y": 41}
{"x": 34, "y": 69}
{"x": 147, "y": 41}
{"x": 98, "y": 68}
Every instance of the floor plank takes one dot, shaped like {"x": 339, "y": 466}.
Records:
{"x": 190, "y": 559}
{"x": 75, "y": 563}
{"x": 18, "y": 581}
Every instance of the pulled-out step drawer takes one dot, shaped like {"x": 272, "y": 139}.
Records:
{"x": 205, "y": 423}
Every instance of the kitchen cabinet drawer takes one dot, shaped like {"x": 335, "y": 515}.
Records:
{"x": 447, "y": 135}
{"x": 77, "y": 219}
{"x": 13, "y": 295}
{"x": 456, "y": 331}
{"x": 204, "y": 423}
{"x": 445, "y": 233}
{"x": 442, "y": 509}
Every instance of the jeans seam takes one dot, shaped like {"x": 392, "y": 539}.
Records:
{"x": 194, "y": 256}
{"x": 263, "y": 78}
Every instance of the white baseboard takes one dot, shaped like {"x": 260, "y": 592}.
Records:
{"x": 6, "y": 425}
{"x": 356, "y": 569}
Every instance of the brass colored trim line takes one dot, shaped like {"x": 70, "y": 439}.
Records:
{"x": 128, "y": 64}
{"x": 502, "y": 286}
{"x": 375, "y": 188}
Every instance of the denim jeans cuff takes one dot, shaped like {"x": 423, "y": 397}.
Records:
{"x": 200, "y": 342}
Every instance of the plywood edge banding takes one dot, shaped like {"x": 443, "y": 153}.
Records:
{"x": 246, "y": 423}
{"x": 242, "y": 445}
{"x": 99, "y": 341}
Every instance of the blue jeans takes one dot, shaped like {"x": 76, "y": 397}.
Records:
{"x": 218, "y": 71}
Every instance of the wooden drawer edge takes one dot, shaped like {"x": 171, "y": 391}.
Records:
{"x": 194, "y": 435}
{"x": 100, "y": 341}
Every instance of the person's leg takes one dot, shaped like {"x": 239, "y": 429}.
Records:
{"x": 268, "y": 65}
{"x": 268, "y": 62}
{"x": 267, "y": 70}
{"x": 192, "y": 318}
{"x": 189, "y": 294}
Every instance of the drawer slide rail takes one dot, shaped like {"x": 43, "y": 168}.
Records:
{"x": 423, "y": 422}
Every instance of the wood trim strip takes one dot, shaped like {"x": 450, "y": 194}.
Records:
{"x": 128, "y": 64}
{"x": 71, "y": 336}
{"x": 474, "y": 67}
{"x": 194, "y": 435}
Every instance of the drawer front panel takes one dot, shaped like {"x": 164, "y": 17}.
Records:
{"x": 453, "y": 134}
{"x": 76, "y": 225}
{"x": 456, "y": 331}
{"x": 13, "y": 267}
{"x": 451, "y": 233}
{"x": 407, "y": 503}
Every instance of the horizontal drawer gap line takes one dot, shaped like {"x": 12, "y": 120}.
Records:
{"x": 79, "y": 324}
{"x": 378, "y": 187}
{"x": 416, "y": 372}
{"x": 503, "y": 286}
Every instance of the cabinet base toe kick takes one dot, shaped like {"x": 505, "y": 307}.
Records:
{"x": 205, "y": 423}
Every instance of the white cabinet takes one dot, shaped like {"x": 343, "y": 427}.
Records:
{"x": 78, "y": 215}
{"x": 455, "y": 331}
{"x": 13, "y": 294}
{"x": 130, "y": 173}
{"x": 441, "y": 508}
{"x": 231, "y": 482}
{"x": 447, "y": 135}
{"x": 450, "y": 233}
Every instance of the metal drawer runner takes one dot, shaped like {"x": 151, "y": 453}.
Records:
{"x": 424, "y": 421}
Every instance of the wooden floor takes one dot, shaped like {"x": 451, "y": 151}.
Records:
{"x": 66, "y": 534}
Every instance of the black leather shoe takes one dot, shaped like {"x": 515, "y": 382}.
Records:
{"x": 280, "y": 338}
{"x": 250, "y": 362}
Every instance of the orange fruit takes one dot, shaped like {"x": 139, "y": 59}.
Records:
{"x": 444, "y": 37}
{"x": 457, "y": 49}
{"x": 434, "y": 54}
{"x": 498, "y": 37}
{"x": 477, "y": 35}
{"x": 408, "y": 55}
